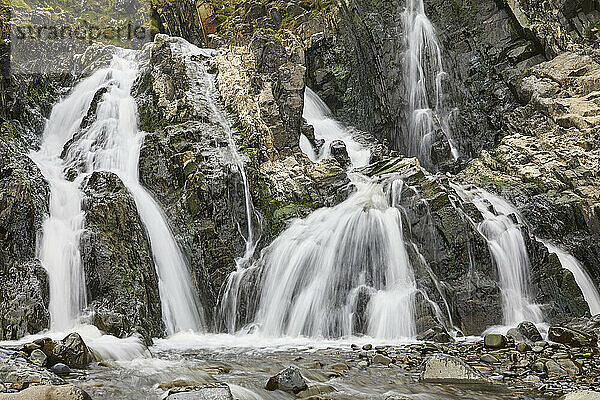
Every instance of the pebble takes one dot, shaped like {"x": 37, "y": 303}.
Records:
{"x": 523, "y": 347}
{"x": 381, "y": 359}
{"x": 60, "y": 369}
{"x": 488, "y": 358}
{"x": 367, "y": 346}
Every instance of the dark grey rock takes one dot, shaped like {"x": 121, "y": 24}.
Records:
{"x": 287, "y": 380}
{"x": 122, "y": 284}
{"x": 571, "y": 337}
{"x": 529, "y": 330}
{"x": 71, "y": 351}
{"x": 340, "y": 153}
{"x": 60, "y": 369}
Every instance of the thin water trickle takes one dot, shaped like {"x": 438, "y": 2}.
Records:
{"x": 111, "y": 142}
{"x": 203, "y": 90}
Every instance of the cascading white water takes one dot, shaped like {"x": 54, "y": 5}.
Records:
{"x": 583, "y": 279}
{"x": 341, "y": 271}
{"x": 111, "y": 143}
{"x": 507, "y": 247}
{"x": 316, "y": 113}
{"x": 423, "y": 75}
{"x": 315, "y": 272}
{"x": 59, "y": 248}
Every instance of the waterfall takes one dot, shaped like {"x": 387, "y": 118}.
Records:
{"x": 341, "y": 271}
{"x": 583, "y": 279}
{"x": 111, "y": 142}
{"x": 340, "y": 266}
{"x": 423, "y": 75}
{"x": 316, "y": 113}
{"x": 507, "y": 247}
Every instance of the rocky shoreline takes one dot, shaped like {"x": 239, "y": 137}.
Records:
{"x": 519, "y": 364}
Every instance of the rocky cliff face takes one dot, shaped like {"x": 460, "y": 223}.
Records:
{"x": 25, "y": 101}
{"x": 523, "y": 81}
{"x": 24, "y": 292}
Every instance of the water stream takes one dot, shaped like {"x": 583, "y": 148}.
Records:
{"x": 327, "y": 129}
{"x": 342, "y": 270}
{"x": 338, "y": 269}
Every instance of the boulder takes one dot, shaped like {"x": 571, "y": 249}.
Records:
{"x": 38, "y": 357}
{"x": 340, "y": 153}
{"x": 571, "y": 337}
{"x": 517, "y": 336}
{"x": 60, "y": 369}
{"x": 288, "y": 380}
{"x": 488, "y": 358}
{"x": 71, "y": 351}
{"x": 563, "y": 368}
{"x": 582, "y": 395}
{"x": 494, "y": 341}
{"x": 14, "y": 368}
{"x": 446, "y": 369}
{"x": 316, "y": 390}
{"x": 46, "y": 392}
{"x": 529, "y": 330}
{"x": 437, "y": 334}
{"x": 381, "y": 359}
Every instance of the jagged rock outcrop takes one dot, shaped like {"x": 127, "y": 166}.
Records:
{"x": 121, "y": 279}
{"x": 452, "y": 261}
{"x": 14, "y": 368}
{"x": 548, "y": 162}
{"x": 264, "y": 86}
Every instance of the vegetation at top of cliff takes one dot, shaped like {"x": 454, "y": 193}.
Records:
{"x": 232, "y": 15}
{"x": 592, "y": 29}
{"x": 112, "y": 22}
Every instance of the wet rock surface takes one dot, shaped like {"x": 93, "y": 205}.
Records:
{"x": 121, "y": 280}
{"x": 206, "y": 392}
{"x": 288, "y": 380}
{"x": 448, "y": 369}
